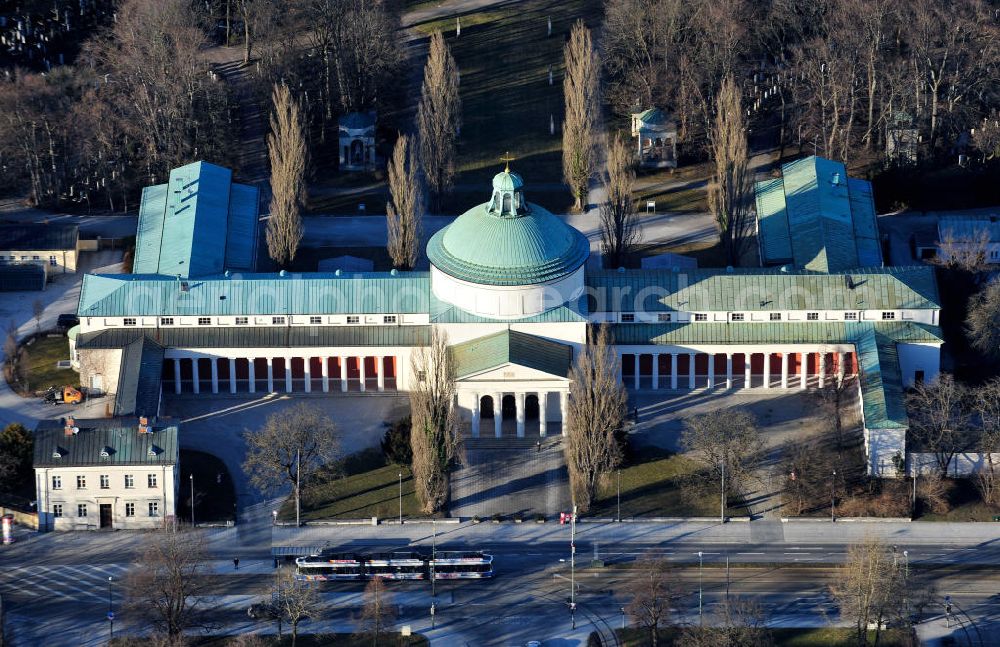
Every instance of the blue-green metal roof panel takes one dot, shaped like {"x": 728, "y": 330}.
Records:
{"x": 755, "y": 289}
{"x": 819, "y": 212}
{"x": 149, "y": 233}
{"x": 119, "y": 435}
{"x": 866, "y": 237}
{"x": 119, "y": 295}
{"x": 259, "y": 336}
{"x": 139, "y": 379}
{"x": 38, "y": 236}
{"x": 514, "y": 347}
{"x": 833, "y": 332}
{"x": 241, "y": 234}
{"x": 194, "y": 227}
{"x": 772, "y": 221}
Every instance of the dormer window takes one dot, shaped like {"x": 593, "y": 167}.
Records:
{"x": 57, "y": 453}
{"x": 107, "y": 452}
{"x": 153, "y": 451}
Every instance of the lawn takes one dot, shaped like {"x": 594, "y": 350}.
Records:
{"x": 782, "y": 637}
{"x": 215, "y": 496}
{"x": 650, "y": 487}
{"x": 304, "y": 640}
{"x": 43, "y": 353}
{"x": 965, "y": 504}
{"x": 368, "y": 487}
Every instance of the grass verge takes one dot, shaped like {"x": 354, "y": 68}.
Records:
{"x": 782, "y": 637}
{"x": 43, "y": 353}
{"x": 360, "y": 486}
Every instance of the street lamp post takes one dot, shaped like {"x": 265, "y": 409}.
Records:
{"x": 433, "y": 611}
{"x": 700, "y": 617}
{"x": 572, "y": 569}
{"x": 191, "y": 476}
{"x": 833, "y": 500}
{"x": 433, "y": 556}
{"x": 111, "y": 614}
{"x": 722, "y": 511}
{"x": 623, "y": 618}
{"x": 619, "y": 496}
{"x": 401, "y": 497}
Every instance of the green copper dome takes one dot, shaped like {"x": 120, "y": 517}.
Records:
{"x": 508, "y": 241}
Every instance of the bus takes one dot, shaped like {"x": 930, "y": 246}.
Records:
{"x": 461, "y": 565}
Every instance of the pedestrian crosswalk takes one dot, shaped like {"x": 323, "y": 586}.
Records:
{"x": 80, "y": 582}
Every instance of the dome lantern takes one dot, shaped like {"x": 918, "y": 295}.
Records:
{"x": 508, "y": 192}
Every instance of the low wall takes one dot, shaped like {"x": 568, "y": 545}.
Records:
{"x": 962, "y": 464}
{"x": 27, "y": 519}
{"x": 88, "y": 244}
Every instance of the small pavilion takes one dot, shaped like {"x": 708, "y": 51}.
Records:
{"x": 357, "y": 141}
{"x": 656, "y": 138}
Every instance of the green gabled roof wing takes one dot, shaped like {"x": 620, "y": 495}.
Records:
{"x": 149, "y": 234}
{"x": 511, "y": 347}
{"x": 122, "y": 436}
{"x": 772, "y": 221}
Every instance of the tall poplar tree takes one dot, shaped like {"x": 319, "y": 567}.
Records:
{"x": 286, "y": 147}
{"x": 581, "y": 88}
{"x": 439, "y": 117}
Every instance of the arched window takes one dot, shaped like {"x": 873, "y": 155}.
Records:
{"x": 506, "y": 203}
{"x": 496, "y": 201}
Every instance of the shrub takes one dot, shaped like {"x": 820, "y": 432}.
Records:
{"x": 396, "y": 442}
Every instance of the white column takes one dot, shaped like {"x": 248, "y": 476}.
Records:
{"x": 784, "y": 370}
{"x": 194, "y": 375}
{"x": 325, "y": 373}
{"x": 232, "y": 375}
{"x": 497, "y": 414}
{"x": 475, "y": 416}
{"x": 767, "y": 370}
{"x": 673, "y": 371}
{"x": 747, "y": 361}
{"x": 307, "y": 373}
{"x": 177, "y": 375}
{"x": 250, "y": 374}
{"x": 343, "y": 374}
{"x": 636, "y": 366}
{"x": 822, "y": 370}
{"x": 270, "y": 375}
{"x": 656, "y": 370}
{"x": 804, "y": 375}
{"x": 691, "y": 370}
{"x": 543, "y": 400}
{"x": 288, "y": 374}
{"x": 361, "y": 371}
{"x": 381, "y": 372}
{"x": 519, "y": 414}
{"x": 711, "y": 370}
{"x": 215, "y": 375}
{"x": 563, "y": 409}
{"x": 840, "y": 367}
{"x": 729, "y": 370}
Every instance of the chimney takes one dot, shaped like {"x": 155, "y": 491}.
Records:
{"x": 144, "y": 425}
{"x": 70, "y": 428}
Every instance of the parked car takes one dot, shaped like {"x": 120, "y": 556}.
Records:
{"x": 67, "y": 321}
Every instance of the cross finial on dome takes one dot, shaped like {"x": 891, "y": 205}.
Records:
{"x": 507, "y": 158}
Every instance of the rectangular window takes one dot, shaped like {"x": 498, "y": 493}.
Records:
{"x": 105, "y": 481}
{"x": 24, "y": 257}
{"x": 81, "y": 482}
{"x": 151, "y": 480}
{"x": 154, "y": 509}
{"x": 129, "y": 321}
{"x": 389, "y": 319}
{"x": 129, "y": 481}
{"x": 315, "y": 321}
{"x": 242, "y": 321}
{"x": 52, "y": 260}
{"x": 278, "y": 321}
{"x": 57, "y": 510}
{"x": 353, "y": 319}
{"x": 628, "y": 317}
{"x": 700, "y": 316}
{"x": 129, "y": 509}
{"x": 775, "y": 316}
{"x": 56, "y": 482}
{"x": 886, "y": 315}
{"x": 166, "y": 321}
{"x": 204, "y": 321}
{"x": 850, "y": 316}
{"x": 738, "y": 316}
{"x": 812, "y": 316}
{"x": 81, "y": 510}
{"x": 664, "y": 316}
{"x": 34, "y": 258}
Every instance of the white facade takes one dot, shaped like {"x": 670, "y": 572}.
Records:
{"x": 503, "y": 301}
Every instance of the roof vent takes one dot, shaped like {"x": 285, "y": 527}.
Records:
{"x": 226, "y": 274}
{"x": 394, "y": 272}
{"x": 107, "y": 452}
{"x": 836, "y": 179}
{"x": 729, "y": 269}
{"x": 58, "y": 452}
{"x": 784, "y": 269}
{"x": 621, "y": 270}
{"x": 144, "y": 427}
{"x": 282, "y": 273}
{"x": 153, "y": 451}
{"x": 337, "y": 273}
{"x": 185, "y": 286}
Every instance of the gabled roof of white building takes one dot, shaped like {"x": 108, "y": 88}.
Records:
{"x": 511, "y": 347}
{"x": 90, "y": 445}
{"x": 762, "y": 289}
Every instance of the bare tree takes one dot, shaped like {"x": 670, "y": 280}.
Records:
{"x": 742, "y": 623}
{"x": 619, "y": 221}
{"x": 731, "y": 193}
{"x": 581, "y": 90}
{"x": 596, "y": 414}
{"x": 286, "y": 148}
{"x": 439, "y": 117}
{"x": 653, "y": 591}
{"x": 728, "y": 444}
{"x": 939, "y": 418}
{"x": 967, "y": 253}
{"x": 986, "y": 403}
{"x": 406, "y": 210}
{"x": 168, "y": 583}
{"x": 982, "y": 323}
{"x": 807, "y": 468}
{"x": 295, "y": 601}
{"x": 434, "y": 433}
{"x": 38, "y": 309}
{"x": 378, "y": 611}
{"x": 256, "y": 16}
{"x": 871, "y": 589}
{"x": 291, "y": 446}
